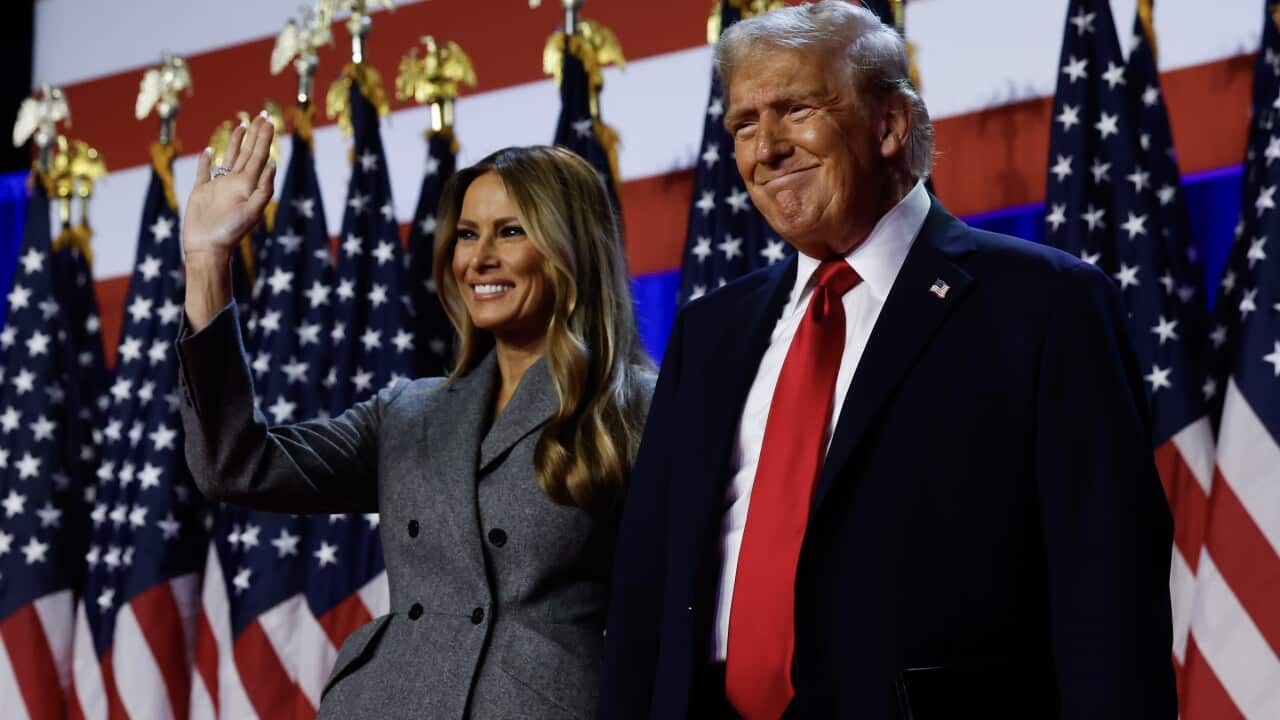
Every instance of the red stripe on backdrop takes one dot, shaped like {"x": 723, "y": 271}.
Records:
{"x": 1248, "y": 563}
{"x": 1203, "y": 696}
{"x": 33, "y": 665}
{"x": 270, "y": 689}
{"x": 161, "y": 624}
{"x": 207, "y": 659}
{"x": 506, "y": 49}
{"x": 996, "y": 158}
{"x": 1187, "y": 500}
{"x": 344, "y": 618}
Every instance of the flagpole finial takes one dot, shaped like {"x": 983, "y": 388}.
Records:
{"x": 159, "y": 91}
{"x": 747, "y": 9}
{"x": 434, "y": 78}
{"x": 360, "y": 22}
{"x": 572, "y": 11}
{"x": 38, "y": 119}
{"x": 298, "y": 42}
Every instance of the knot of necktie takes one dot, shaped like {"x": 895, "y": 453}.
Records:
{"x": 834, "y": 279}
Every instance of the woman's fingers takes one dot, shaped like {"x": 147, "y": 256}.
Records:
{"x": 260, "y": 150}
{"x": 262, "y": 192}
{"x": 233, "y": 146}
{"x": 202, "y": 167}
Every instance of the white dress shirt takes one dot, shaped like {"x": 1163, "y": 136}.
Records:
{"x": 877, "y": 261}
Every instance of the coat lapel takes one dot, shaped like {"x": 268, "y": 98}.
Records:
{"x": 912, "y": 313}
{"x": 736, "y": 357}
{"x": 453, "y": 448}
{"x": 533, "y": 403}
{"x": 738, "y": 351}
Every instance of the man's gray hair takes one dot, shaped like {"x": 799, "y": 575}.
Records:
{"x": 874, "y": 53}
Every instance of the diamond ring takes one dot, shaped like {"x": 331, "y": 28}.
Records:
{"x": 219, "y": 171}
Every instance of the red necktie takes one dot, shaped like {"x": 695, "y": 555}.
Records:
{"x": 762, "y": 614}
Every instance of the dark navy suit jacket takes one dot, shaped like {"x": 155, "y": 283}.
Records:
{"x": 988, "y": 536}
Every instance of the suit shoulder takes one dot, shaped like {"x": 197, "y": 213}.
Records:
{"x": 1028, "y": 266}
{"x": 726, "y": 297}
{"x": 419, "y": 390}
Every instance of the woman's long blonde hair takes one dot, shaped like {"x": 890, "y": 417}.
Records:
{"x": 592, "y": 349}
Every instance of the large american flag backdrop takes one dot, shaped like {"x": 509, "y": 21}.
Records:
{"x": 186, "y": 609}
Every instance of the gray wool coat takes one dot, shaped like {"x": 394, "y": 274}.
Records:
{"x": 498, "y": 595}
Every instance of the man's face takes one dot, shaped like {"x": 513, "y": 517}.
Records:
{"x": 812, "y": 156}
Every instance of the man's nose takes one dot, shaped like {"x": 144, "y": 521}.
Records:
{"x": 773, "y": 142}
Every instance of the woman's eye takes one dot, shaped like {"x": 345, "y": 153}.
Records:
{"x": 511, "y": 231}
{"x": 466, "y": 235}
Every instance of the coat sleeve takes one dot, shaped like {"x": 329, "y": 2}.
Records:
{"x": 319, "y": 466}
{"x": 640, "y": 562}
{"x": 1107, "y": 527}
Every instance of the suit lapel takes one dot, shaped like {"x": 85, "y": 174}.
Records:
{"x": 453, "y": 448}
{"x": 533, "y": 403}
{"x": 911, "y": 315}
{"x": 738, "y": 351}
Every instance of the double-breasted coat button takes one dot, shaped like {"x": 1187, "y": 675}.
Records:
{"x": 498, "y": 537}
{"x": 415, "y": 611}
{"x": 413, "y": 528}
{"x": 477, "y": 616}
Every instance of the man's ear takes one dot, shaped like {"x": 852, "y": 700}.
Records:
{"x": 895, "y": 125}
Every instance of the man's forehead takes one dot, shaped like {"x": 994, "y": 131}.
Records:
{"x": 769, "y": 73}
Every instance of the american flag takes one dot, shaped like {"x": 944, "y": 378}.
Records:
{"x": 135, "y": 624}
{"x": 431, "y": 327}
{"x": 578, "y": 128}
{"x": 373, "y": 347}
{"x": 1113, "y": 199}
{"x": 41, "y": 545}
{"x": 726, "y": 237}
{"x": 261, "y": 649}
{"x": 1233, "y": 660}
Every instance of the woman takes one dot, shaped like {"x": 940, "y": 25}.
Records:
{"x": 499, "y": 486}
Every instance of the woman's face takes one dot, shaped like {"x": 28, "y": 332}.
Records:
{"x": 498, "y": 270}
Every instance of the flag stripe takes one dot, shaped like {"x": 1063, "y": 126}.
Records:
{"x": 1187, "y": 499}
{"x": 138, "y": 671}
{"x": 206, "y": 663}
{"x": 88, "y": 686}
{"x": 57, "y": 620}
{"x": 12, "y": 687}
{"x": 228, "y": 693}
{"x": 1248, "y": 457}
{"x": 1182, "y": 581}
{"x": 1248, "y": 564}
{"x": 24, "y": 638}
{"x": 315, "y": 654}
{"x": 159, "y": 619}
{"x": 292, "y": 639}
{"x": 1204, "y": 696}
{"x": 344, "y": 618}
{"x": 1232, "y": 645}
{"x": 271, "y": 691}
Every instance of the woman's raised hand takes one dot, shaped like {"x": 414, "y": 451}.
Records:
{"x": 222, "y": 209}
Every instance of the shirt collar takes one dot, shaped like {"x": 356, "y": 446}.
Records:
{"x": 877, "y": 259}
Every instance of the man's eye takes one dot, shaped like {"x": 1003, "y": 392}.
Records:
{"x": 798, "y": 110}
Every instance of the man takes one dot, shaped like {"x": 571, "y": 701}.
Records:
{"x": 905, "y": 474}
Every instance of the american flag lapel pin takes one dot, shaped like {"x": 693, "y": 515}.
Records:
{"x": 940, "y": 288}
